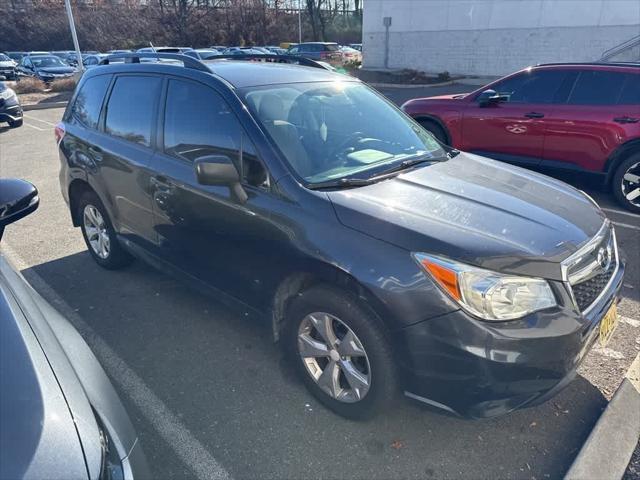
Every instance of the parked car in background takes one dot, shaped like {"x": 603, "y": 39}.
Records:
{"x": 16, "y": 56}
{"x": 7, "y": 68}
{"x": 45, "y": 67}
{"x": 10, "y": 109}
{"x": 219, "y": 48}
{"x": 385, "y": 261}
{"x": 276, "y": 50}
{"x": 70, "y": 57}
{"x": 242, "y": 51}
{"x": 325, "y": 51}
{"x": 111, "y": 52}
{"x": 164, "y": 49}
{"x": 582, "y": 118}
{"x": 203, "y": 53}
{"x": 91, "y": 61}
{"x": 351, "y": 54}
{"x": 60, "y": 415}
{"x": 356, "y": 46}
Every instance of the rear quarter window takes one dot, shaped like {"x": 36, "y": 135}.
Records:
{"x": 88, "y": 102}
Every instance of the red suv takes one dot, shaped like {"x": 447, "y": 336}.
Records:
{"x": 582, "y": 117}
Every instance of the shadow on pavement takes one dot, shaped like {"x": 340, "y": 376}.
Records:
{"x": 219, "y": 372}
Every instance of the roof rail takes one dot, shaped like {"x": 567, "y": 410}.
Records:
{"x": 272, "y": 58}
{"x": 601, "y": 63}
{"x": 189, "y": 62}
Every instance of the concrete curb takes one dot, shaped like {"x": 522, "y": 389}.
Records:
{"x": 608, "y": 449}
{"x": 43, "y": 106}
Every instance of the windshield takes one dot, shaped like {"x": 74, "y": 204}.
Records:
{"x": 4, "y": 58}
{"x": 328, "y": 131}
{"x": 44, "y": 62}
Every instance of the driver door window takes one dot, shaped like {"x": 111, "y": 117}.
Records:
{"x": 198, "y": 122}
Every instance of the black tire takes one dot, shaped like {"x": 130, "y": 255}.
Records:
{"x": 15, "y": 123}
{"x": 383, "y": 385}
{"x": 117, "y": 257}
{"x": 630, "y": 165}
{"x": 435, "y": 130}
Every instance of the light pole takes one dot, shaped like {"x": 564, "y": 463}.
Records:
{"x": 299, "y": 21}
{"x": 74, "y": 35}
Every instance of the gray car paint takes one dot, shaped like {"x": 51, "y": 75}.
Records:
{"x": 477, "y": 211}
{"x": 80, "y": 379}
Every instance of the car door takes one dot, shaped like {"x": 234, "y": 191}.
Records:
{"x": 513, "y": 130}
{"x": 601, "y": 113}
{"x": 122, "y": 149}
{"x": 205, "y": 230}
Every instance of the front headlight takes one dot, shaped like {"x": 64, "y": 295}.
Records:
{"x": 486, "y": 294}
{"x": 7, "y": 93}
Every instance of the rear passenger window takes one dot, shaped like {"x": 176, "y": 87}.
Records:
{"x": 597, "y": 87}
{"x": 630, "y": 91}
{"x": 86, "y": 109}
{"x": 131, "y": 108}
{"x": 198, "y": 122}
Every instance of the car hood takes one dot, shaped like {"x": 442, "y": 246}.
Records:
{"x": 56, "y": 70}
{"x": 477, "y": 211}
{"x": 7, "y": 64}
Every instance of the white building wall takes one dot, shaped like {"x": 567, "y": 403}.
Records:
{"x": 494, "y": 37}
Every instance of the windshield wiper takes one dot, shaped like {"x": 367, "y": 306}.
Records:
{"x": 341, "y": 183}
{"x": 406, "y": 164}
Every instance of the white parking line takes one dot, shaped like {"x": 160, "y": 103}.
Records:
{"x": 626, "y": 225}
{"x": 169, "y": 427}
{"x": 620, "y": 212}
{"x": 34, "y": 127}
{"x": 37, "y": 119}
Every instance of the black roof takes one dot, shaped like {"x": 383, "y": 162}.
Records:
{"x": 242, "y": 74}
{"x": 238, "y": 71}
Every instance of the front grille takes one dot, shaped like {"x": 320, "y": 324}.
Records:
{"x": 587, "y": 276}
{"x": 586, "y": 292}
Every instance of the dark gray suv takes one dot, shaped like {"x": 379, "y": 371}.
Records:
{"x": 385, "y": 261}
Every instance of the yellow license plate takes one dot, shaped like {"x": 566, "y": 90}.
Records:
{"x": 608, "y": 325}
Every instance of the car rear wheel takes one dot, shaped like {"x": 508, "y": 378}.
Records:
{"x": 626, "y": 183}
{"x": 99, "y": 234}
{"x": 435, "y": 130}
{"x": 15, "y": 123}
{"x": 341, "y": 353}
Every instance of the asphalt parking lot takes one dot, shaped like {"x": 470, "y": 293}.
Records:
{"x": 211, "y": 396}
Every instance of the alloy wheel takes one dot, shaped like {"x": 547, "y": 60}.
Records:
{"x": 631, "y": 184}
{"x": 334, "y": 357}
{"x": 96, "y": 231}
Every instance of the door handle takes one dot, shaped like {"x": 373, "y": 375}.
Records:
{"x": 626, "y": 119}
{"x": 534, "y": 115}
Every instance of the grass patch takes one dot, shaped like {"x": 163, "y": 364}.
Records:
{"x": 63, "y": 85}
{"x": 29, "y": 85}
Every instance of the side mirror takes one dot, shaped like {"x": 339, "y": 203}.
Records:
{"x": 220, "y": 170}
{"x": 489, "y": 97}
{"x": 18, "y": 199}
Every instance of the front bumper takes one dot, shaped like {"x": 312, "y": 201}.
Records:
{"x": 481, "y": 369}
{"x": 10, "y": 112}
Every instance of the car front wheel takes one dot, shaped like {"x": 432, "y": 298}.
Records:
{"x": 341, "y": 353}
{"x": 626, "y": 183}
